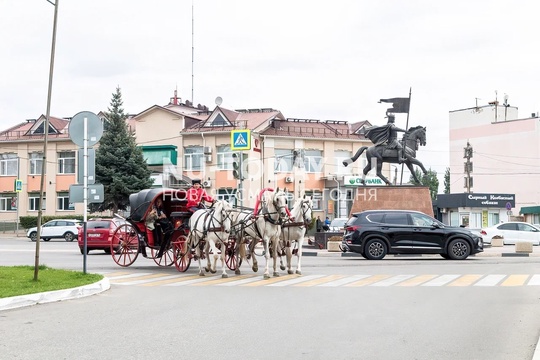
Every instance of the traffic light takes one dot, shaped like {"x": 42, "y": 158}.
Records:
{"x": 237, "y": 166}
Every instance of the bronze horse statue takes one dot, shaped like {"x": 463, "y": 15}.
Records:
{"x": 411, "y": 139}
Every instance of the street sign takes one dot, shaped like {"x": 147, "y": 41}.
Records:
{"x": 508, "y": 206}
{"x": 94, "y": 128}
{"x": 18, "y": 185}
{"x": 96, "y": 193}
{"x": 241, "y": 139}
{"x": 91, "y": 164}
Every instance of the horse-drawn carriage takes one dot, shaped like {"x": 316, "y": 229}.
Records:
{"x": 219, "y": 231}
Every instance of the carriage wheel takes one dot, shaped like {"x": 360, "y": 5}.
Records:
{"x": 233, "y": 260}
{"x": 167, "y": 259}
{"x": 181, "y": 253}
{"x": 125, "y": 245}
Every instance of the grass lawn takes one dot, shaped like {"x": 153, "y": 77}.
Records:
{"x": 19, "y": 280}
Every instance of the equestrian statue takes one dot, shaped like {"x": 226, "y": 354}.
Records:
{"x": 387, "y": 148}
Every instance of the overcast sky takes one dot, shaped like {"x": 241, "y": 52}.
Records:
{"x": 307, "y": 58}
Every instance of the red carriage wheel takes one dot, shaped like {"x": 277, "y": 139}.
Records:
{"x": 233, "y": 258}
{"x": 181, "y": 253}
{"x": 125, "y": 245}
{"x": 168, "y": 256}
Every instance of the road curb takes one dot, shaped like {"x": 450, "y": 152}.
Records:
{"x": 351, "y": 254}
{"x": 53, "y": 296}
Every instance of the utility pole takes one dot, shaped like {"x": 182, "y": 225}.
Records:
{"x": 468, "y": 154}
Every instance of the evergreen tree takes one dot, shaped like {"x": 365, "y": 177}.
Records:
{"x": 447, "y": 181}
{"x": 120, "y": 165}
{"x": 430, "y": 180}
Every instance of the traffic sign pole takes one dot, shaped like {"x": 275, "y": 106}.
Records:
{"x": 85, "y": 191}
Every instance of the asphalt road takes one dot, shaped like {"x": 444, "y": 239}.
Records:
{"x": 341, "y": 308}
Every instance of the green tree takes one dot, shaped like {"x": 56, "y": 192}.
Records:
{"x": 120, "y": 165}
{"x": 430, "y": 180}
{"x": 447, "y": 181}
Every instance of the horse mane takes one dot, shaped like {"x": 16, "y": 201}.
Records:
{"x": 414, "y": 128}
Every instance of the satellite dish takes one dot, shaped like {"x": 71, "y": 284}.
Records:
{"x": 219, "y": 100}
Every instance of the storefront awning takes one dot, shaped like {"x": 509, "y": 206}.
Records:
{"x": 530, "y": 210}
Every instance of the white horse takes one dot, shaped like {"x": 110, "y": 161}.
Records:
{"x": 263, "y": 223}
{"x": 295, "y": 229}
{"x": 208, "y": 228}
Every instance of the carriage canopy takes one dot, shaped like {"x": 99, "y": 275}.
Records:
{"x": 141, "y": 202}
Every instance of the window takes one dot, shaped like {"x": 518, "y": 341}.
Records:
{"x": 33, "y": 202}
{"x": 228, "y": 195}
{"x": 9, "y": 164}
{"x": 63, "y": 202}
{"x": 313, "y": 161}
{"x": 316, "y": 198}
{"x": 8, "y": 202}
{"x": 284, "y": 160}
{"x": 36, "y": 163}
{"x": 507, "y": 226}
{"x": 224, "y": 157}
{"x": 526, "y": 227}
{"x": 339, "y": 157}
{"x": 421, "y": 220}
{"x": 396, "y": 219}
{"x": 66, "y": 162}
{"x": 193, "y": 158}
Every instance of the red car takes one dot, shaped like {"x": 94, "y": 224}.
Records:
{"x": 99, "y": 233}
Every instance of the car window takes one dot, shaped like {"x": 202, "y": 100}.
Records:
{"x": 396, "y": 219}
{"x": 98, "y": 224}
{"x": 507, "y": 226}
{"x": 375, "y": 218}
{"x": 421, "y": 220}
{"x": 50, "y": 223}
{"x": 525, "y": 227}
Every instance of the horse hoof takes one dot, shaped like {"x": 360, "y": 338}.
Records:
{"x": 255, "y": 268}
{"x": 282, "y": 267}
{"x": 201, "y": 274}
{"x": 298, "y": 272}
{"x": 206, "y": 269}
{"x": 276, "y": 274}
{"x": 290, "y": 272}
{"x": 213, "y": 271}
{"x": 224, "y": 276}
{"x": 237, "y": 272}
{"x": 266, "y": 277}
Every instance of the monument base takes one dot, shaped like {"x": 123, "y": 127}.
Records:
{"x": 393, "y": 198}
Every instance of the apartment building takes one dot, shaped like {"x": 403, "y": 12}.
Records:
{"x": 181, "y": 141}
{"x": 504, "y": 165}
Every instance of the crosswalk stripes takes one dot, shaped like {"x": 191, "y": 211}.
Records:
{"x": 150, "y": 279}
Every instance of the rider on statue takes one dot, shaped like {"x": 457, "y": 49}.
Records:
{"x": 386, "y": 135}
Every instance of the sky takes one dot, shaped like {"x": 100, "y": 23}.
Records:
{"x": 311, "y": 59}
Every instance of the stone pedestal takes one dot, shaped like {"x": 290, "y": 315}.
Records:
{"x": 333, "y": 246}
{"x": 393, "y": 198}
{"x": 497, "y": 241}
{"x": 524, "y": 247}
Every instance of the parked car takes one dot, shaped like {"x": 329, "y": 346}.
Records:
{"x": 56, "y": 229}
{"x": 512, "y": 232}
{"x": 375, "y": 233}
{"x": 99, "y": 234}
{"x": 338, "y": 225}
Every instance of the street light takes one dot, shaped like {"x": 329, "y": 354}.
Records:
{"x": 395, "y": 174}
{"x": 46, "y": 132}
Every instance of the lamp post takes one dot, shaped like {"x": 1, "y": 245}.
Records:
{"x": 395, "y": 174}
{"x": 46, "y": 132}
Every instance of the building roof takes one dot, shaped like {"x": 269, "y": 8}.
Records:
{"x": 328, "y": 129}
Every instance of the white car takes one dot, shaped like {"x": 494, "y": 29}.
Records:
{"x": 58, "y": 228}
{"x": 338, "y": 225}
{"x": 512, "y": 232}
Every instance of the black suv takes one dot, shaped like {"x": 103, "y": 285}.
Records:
{"x": 375, "y": 233}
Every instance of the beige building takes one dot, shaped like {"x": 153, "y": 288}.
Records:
{"x": 181, "y": 142}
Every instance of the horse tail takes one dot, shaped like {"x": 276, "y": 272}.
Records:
{"x": 359, "y": 152}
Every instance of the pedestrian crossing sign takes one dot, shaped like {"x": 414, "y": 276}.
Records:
{"x": 241, "y": 139}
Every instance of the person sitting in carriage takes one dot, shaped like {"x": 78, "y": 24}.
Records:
{"x": 195, "y": 195}
{"x": 164, "y": 226}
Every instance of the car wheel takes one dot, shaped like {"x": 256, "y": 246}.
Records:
{"x": 82, "y": 250}
{"x": 459, "y": 249}
{"x": 33, "y": 236}
{"x": 375, "y": 249}
{"x": 46, "y": 239}
{"x": 69, "y": 236}
{"x": 445, "y": 256}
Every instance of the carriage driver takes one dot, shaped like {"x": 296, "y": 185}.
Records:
{"x": 195, "y": 195}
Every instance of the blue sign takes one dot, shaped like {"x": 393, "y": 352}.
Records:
{"x": 241, "y": 139}
{"x": 18, "y": 185}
